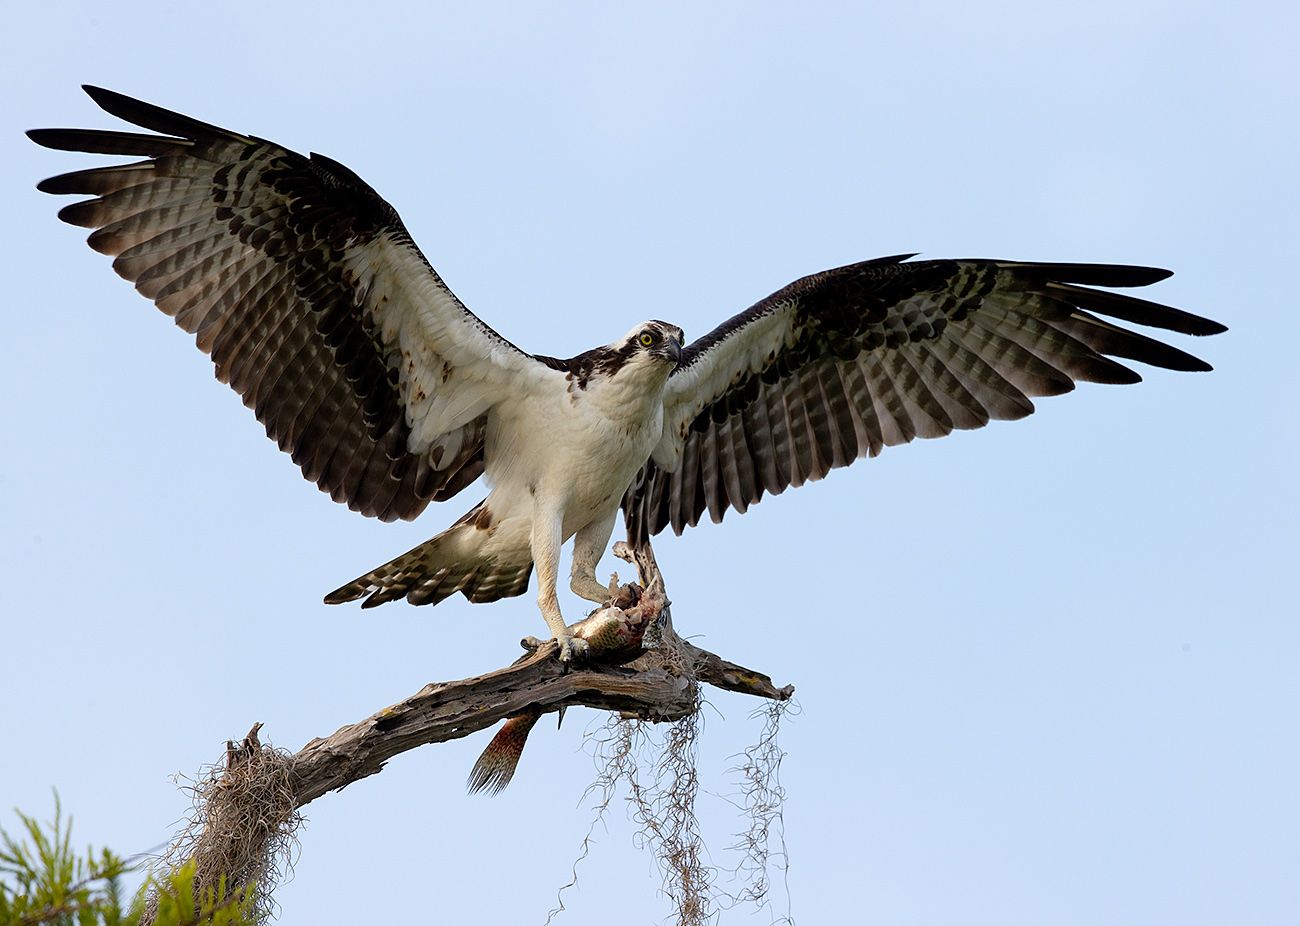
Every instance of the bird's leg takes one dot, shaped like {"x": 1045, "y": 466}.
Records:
{"x": 588, "y": 546}
{"x": 546, "y": 538}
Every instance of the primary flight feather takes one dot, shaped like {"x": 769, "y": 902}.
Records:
{"x": 316, "y": 306}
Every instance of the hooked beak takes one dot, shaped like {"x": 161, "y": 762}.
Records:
{"x": 675, "y": 351}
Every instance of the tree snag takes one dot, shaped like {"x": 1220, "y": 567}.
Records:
{"x": 247, "y": 810}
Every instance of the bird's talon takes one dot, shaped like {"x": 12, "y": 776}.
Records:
{"x": 532, "y": 644}
{"x": 572, "y": 649}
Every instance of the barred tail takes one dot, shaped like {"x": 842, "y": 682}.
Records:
{"x": 450, "y": 562}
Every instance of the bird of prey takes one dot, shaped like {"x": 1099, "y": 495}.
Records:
{"x": 315, "y": 305}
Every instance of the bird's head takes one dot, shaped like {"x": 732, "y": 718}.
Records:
{"x": 653, "y": 341}
{"x": 637, "y": 364}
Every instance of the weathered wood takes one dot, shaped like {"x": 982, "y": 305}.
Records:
{"x": 636, "y": 665}
{"x": 656, "y": 685}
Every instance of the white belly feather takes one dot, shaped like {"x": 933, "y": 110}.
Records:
{"x": 569, "y": 452}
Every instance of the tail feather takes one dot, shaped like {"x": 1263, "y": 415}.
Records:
{"x": 440, "y": 567}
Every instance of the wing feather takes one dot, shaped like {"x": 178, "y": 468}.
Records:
{"x": 711, "y": 465}
{"x": 729, "y": 465}
{"x": 758, "y": 434}
{"x": 871, "y": 439}
{"x": 798, "y": 432}
{"x": 305, "y": 289}
{"x": 819, "y": 425}
{"x": 891, "y": 410}
{"x": 995, "y": 341}
{"x": 964, "y": 410}
{"x": 995, "y": 392}
{"x": 685, "y": 488}
{"x": 840, "y": 364}
{"x": 831, "y": 395}
{"x": 779, "y": 451}
{"x": 923, "y": 410}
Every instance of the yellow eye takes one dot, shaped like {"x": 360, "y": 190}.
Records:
{"x": 647, "y": 339}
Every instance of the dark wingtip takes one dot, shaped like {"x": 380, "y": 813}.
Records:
{"x": 81, "y": 214}
{"x": 1150, "y": 274}
{"x": 1132, "y": 309}
{"x": 1171, "y": 358}
{"x": 1200, "y": 326}
{"x": 1120, "y": 275}
{"x": 104, "y": 97}
{"x": 341, "y": 596}
{"x": 1120, "y": 375}
{"x": 50, "y": 138}
{"x": 153, "y": 117}
{"x": 892, "y": 258}
{"x": 113, "y": 102}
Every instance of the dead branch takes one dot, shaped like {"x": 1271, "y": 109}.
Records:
{"x": 636, "y": 666}
{"x": 655, "y": 684}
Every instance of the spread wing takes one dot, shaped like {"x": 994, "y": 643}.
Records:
{"x": 841, "y": 364}
{"x": 304, "y": 287}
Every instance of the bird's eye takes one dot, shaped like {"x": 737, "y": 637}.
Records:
{"x": 646, "y": 339}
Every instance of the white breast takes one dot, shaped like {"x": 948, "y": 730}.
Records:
{"x": 577, "y": 448}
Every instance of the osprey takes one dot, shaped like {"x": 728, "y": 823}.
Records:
{"x": 315, "y": 305}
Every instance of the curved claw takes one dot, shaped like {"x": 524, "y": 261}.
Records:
{"x": 572, "y": 648}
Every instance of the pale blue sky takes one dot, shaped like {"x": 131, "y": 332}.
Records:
{"x": 1049, "y": 671}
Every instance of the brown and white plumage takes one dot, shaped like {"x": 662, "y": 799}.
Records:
{"x": 309, "y": 295}
{"x": 304, "y": 287}
{"x": 838, "y": 365}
